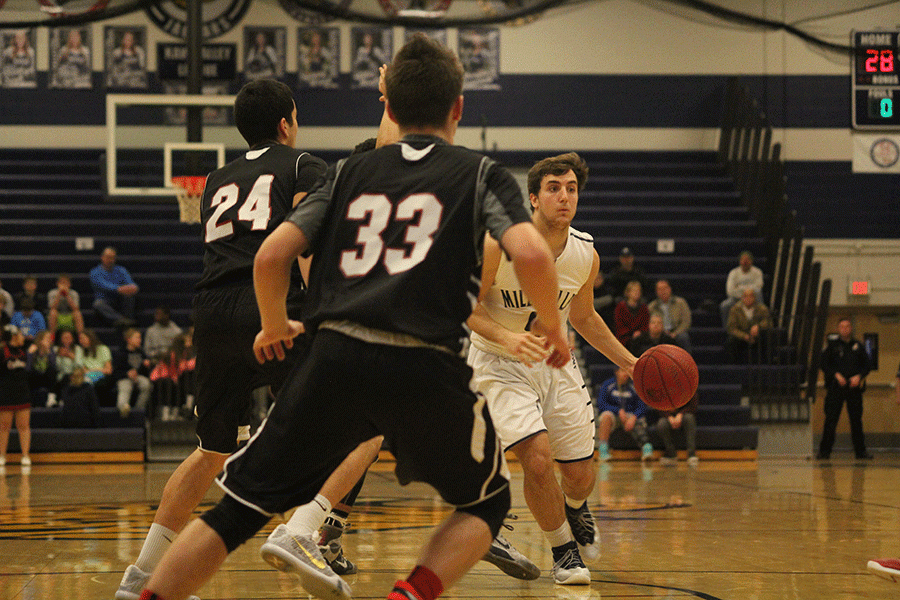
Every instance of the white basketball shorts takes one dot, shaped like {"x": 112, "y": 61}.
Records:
{"x": 526, "y": 400}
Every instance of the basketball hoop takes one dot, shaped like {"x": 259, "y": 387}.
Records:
{"x": 190, "y": 190}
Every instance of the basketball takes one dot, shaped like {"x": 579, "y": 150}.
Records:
{"x": 666, "y": 377}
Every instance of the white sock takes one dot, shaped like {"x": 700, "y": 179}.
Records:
{"x": 307, "y": 519}
{"x": 561, "y": 536}
{"x": 158, "y": 540}
{"x": 574, "y": 503}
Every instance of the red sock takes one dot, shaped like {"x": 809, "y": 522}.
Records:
{"x": 425, "y": 583}
{"x": 403, "y": 591}
{"x": 148, "y": 595}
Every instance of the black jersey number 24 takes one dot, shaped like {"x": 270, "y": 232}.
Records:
{"x": 374, "y": 211}
{"x": 255, "y": 210}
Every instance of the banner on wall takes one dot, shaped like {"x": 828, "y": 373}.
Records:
{"x": 479, "y": 53}
{"x": 318, "y": 56}
{"x": 219, "y": 61}
{"x": 70, "y": 57}
{"x": 18, "y": 65}
{"x": 126, "y": 57}
{"x": 264, "y": 52}
{"x": 876, "y": 153}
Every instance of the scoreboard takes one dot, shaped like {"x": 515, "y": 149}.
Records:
{"x": 876, "y": 80}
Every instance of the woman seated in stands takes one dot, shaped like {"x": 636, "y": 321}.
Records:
{"x": 171, "y": 377}
{"x": 68, "y": 358}
{"x": 632, "y": 316}
{"x": 80, "y": 407}
{"x": 747, "y": 321}
{"x": 42, "y": 368}
{"x": 96, "y": 359}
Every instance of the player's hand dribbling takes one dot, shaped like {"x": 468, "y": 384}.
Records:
{"x": 271, "y": 344}
{"x": 556, "y": 342}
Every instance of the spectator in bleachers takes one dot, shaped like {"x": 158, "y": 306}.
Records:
{"x": 631, "y": 316}
{"x": 620, "y": 406}
{"x": 682, "y": 418}
{"x": 115, "y": 291}
{"x": 97, "y": 363}
{"x": 80, "y": 407}
{"x": 9, "y": 304}
{"x": 603, "y": 300}
{"x": 29, "y": 290}
{"x": 131, "y": 372}
{"x": 15, "y": 397}
{"x": 747, "y": 322}
{"x": 745, "y": 276}
{"x": 188, "y": 378}
{"x": 28, "y": 319}
{"x": 625, "y": 272}
{"x": 64, "y": 307}
{"x": 41, "y": 369}
{"x": 159, "y": 336}
{"x": 654, "y": 336}
{"x": 168, "y": 378}
{"x": 68, "y": 358}
{"x": 676, "y": 313}
{"x": 4, "y": 317}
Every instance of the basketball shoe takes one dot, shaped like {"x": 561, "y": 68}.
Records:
{"x": 584, "y": 530}
{"x": 888, "y": 568}
{"x": 568, "y": 568}
{"x": 133, "y": 583}
{"x": 505, "y": 557}
{"x": 300, "y": 554}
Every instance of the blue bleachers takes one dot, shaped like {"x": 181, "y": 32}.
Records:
{"x": 50, "y": 198}
{"x": 634, "y": 200}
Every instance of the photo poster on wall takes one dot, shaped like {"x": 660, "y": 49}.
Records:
{"x": 371, "y": 47}
{"x": 479, "y": 53}
{"x": 439, "y": 35}
{"x": 70, "y": 57}
{"x": 18, "y": 63}
{"x": 264, "y": 52}
{"x": 126, "y": 56}
{"x": 318, "y": 57}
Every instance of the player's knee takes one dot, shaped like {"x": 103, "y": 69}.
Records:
{"x": 537, "y": 464}
{"x": 492, "y": 511}
{"x": 234, "y": 522}
{"x": 580, "y": 480}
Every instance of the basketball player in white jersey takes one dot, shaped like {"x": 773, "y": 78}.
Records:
{"x": 546, "y": 415}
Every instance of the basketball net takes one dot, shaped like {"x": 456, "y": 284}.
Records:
{"x": 190, "y": 190}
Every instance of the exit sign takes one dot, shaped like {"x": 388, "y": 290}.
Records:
{"x": 859, "y": 288}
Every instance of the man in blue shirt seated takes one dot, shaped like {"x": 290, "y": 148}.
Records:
{"x": 114, "y": 290}
{"x": 620, "y": 406}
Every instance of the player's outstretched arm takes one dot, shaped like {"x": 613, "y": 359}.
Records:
{"x": 271, "y": 280}
{"x": 525, "y": 346}
{"x": 536, "y": 271}
{"x": 593, "y": 328}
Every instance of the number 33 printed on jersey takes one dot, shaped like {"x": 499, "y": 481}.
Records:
{"x": 375, "y": 210}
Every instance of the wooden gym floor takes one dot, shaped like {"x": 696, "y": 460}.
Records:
{"x": 725, "y": 530}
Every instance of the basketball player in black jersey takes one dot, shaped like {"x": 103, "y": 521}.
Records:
{"x": 242, "y": 203}
{"x": 395, "y": 236}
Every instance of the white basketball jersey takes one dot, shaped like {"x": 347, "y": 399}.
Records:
{"x": 507, "y": 305}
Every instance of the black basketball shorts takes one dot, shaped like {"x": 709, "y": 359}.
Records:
{"x": 226, "y": 321}
{"x": 346, "y": 391}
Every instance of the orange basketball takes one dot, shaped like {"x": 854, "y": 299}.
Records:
{"x": 666, "y": 377}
